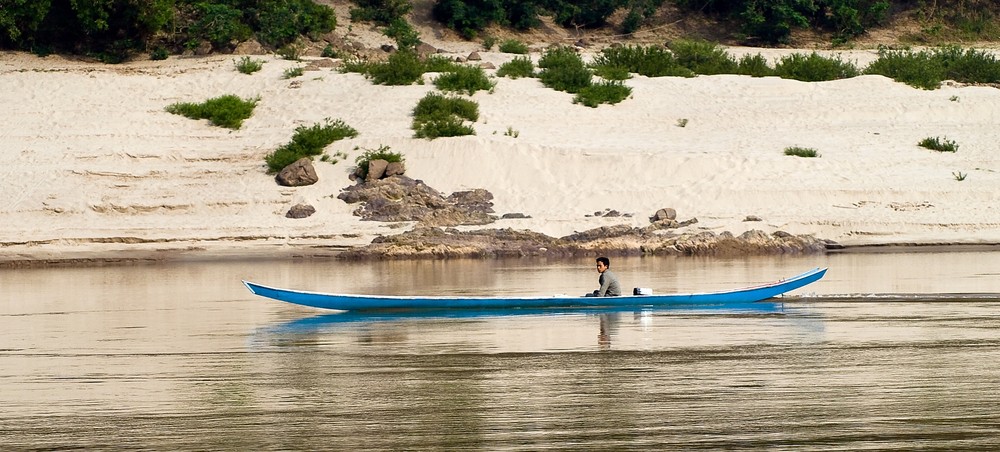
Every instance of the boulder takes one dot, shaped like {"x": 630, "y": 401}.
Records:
{"x": 474, "y": 56}
{"x": 425, "y": 50}
{"x": 249, "y": 47}
{"x": 298, "y": 174}
{"x": 395, "y": 169}
{"x": 300, "y": 211}
{"x": 665, "y": 213}
{"x": 376, "y": 169}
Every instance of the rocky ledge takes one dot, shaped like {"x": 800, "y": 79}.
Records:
{"x": 623, "y": 240}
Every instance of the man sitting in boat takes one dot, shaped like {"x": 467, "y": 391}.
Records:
{"x": 609, "y": 282}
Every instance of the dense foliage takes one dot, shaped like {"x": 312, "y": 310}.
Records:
{"x": 113, "y": 30}
{"x": 762, "y": 21}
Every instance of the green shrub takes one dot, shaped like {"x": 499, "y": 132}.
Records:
{"x": 968, "y": 66}
{"x": 938, "y": 144}
{"x": 520, "y": 66}
{"x": 403, "y": 33}
{"x": 814, "y": 68}
{"x": 440, "y": 63}
{"x": 801, "y": 152}
{"x": 401, "y": 68}
{"x": 307, "y": 142}
{"x": 650, "y": 61}
{"x": 612, "y": 72}
{"x": 607, "y": 92}
{"x": 159, "y": 53}
{"x": 468, "y": 18}
{"x": 224, "y": 111}
{"x": 249, "y": 65}
{"x": 513, "y": 46}
{"x": 702, "y": 57}
{"x": 291, "y": 52}
{"x": 917, "y": 69}
{"x": 464, "y": 79}
{"x": 329, "y": 52}
{"x": 489, "y": 42}
{"x": 440, "y": 116}
{"x": 280, "y": 22}
{"x": 563, "y": 70}
{"x": 754, "y": 66}
{"x": 382, "y": 153}
{"x": 382, "y": 12}
{"x": 293, "y": 72}
{"x": 218, "y": 24}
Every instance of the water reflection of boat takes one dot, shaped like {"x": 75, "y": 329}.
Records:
{"x": 345, "y": 302}
{"x": 352, "y": 318}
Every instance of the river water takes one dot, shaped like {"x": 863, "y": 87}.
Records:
{"x": 891, "y": 351}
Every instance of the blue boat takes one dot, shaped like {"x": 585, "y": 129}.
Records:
{"x": 342, "y": 302}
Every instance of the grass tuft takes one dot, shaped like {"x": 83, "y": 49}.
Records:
{"x": 307, "y": 142}
{"x": 938, "y": 144}
{"x": 801, "y": 152}
{"x": 224, "y": 111}
{"x": 249, "y": 65}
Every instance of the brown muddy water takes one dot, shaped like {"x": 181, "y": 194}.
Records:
{"x": 897, "y": 351}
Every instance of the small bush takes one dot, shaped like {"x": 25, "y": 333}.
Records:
{"x": 293, "y": 72}
{"x": 702, "y": 57}
{"x": 754, "y": 66}
{"x": 520, "y": 66}
{"x": 917, "y": 69}
{"x": 290, "y": 52}
{"x": 382, "y": 153}
{"x": 329, "y": 52}
{"x": 959, "y": 176}
{"x": 406, "y": 37}
{"x": 489, "y": 42}
{"x": 224, "y": 111}
{"x": 464, "y": 79}
{"x": 651, "y": 61}
{"x": 402, "y": 68}
{"x": 439, "y": 116}
{"x": 440, "y": 63}
{"x": 249, "y": 65}
{"x": 814, "y": 68}
{"x": 158, "y": 54}
{"x": 801, "y": 152}
{"x": 564, "y": 70}
{"x": 513, "y": 46}
{"x": 307, "y": 142}
{"x": 382, "y": 12}
{"x": 607, "y": 92}
{"x": 939, "y": 144}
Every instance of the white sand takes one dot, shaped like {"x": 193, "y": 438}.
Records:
{"x": 92, "y": 166}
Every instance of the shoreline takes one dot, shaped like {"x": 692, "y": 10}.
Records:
{"x": 220, "y": 253}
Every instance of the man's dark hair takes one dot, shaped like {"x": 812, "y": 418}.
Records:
{"x": 605, "y": 261}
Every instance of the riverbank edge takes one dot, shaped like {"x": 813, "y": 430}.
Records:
{"x": 196, "y": 253}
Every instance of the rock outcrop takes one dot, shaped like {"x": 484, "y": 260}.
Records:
{"x": 399, "y": 198}
{"x": 622, "y": 240}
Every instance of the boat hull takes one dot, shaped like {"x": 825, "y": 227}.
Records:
{"x": 343, "y": 302}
